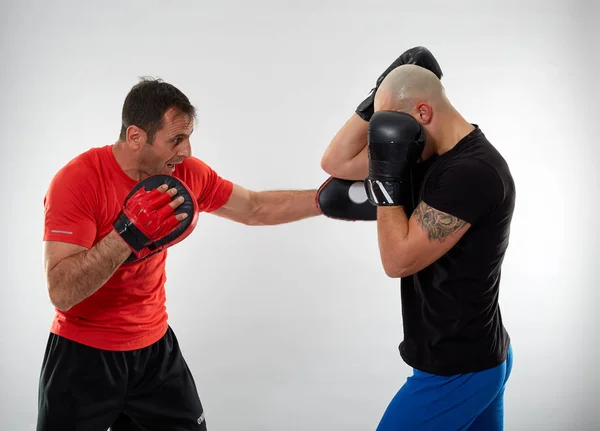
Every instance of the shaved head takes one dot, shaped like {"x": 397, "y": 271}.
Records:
{"x": 418, "y": 92}
{"x": 408, "y": 85}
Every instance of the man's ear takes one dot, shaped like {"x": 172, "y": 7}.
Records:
{"x": 424, "y": 113}
{"x": 135, "y": 137}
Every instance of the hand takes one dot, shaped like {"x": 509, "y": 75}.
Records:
{"x": 395, "y": 143}
{"x": 152, "y": 217}
{"x": 419, "y": 56}
{"x": 161, "y": 206}
{"x": 148, "y": 216}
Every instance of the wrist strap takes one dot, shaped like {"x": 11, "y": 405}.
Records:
{"x": 382, "y": 192}
{"x": 365, "y": 109}
{"x": 130, "y": 233}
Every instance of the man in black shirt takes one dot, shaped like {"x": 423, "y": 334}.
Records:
{"x": 447, "y": 251}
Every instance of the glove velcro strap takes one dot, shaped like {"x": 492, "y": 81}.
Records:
{"x": 130, "y": 233}
{"x": 365, "y": 109}
{"x": 381, "y": 192}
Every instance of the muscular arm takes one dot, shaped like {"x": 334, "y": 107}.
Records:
{"x": 269, "y": 207}
{"x": 73, "y": 272}
{"x": 407, "y": 246}
{"x": 346, "y": 156}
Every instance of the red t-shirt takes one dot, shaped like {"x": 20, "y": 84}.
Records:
{"x": 84, "y": 198}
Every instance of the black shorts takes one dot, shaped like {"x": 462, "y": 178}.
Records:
{"x": 87, "y": 389}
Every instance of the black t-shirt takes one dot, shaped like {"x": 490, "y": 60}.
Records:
{"x": 451, "y": 317}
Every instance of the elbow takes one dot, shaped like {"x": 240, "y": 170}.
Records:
{"x": 252, "y": 221}
{"x": 254, "y": 215}
{"x": 395, "y": 268}
{"x": 393, "y": 271}
{"x": 328, "y": 165}
{"x": 397, "y": 272}
{"x": 343, "y": 171}
{"x": 354, "y": 169}
{"x": 57, "y": 298}
{"x": 60, "y": 305}
{"x": 331, "y": 162}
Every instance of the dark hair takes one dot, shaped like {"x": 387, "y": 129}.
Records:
{"x": 148, "y": 101}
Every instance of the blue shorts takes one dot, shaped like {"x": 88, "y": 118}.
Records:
{"x": 464, "y": 402}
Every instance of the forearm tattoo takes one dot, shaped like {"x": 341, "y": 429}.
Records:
{"x": 438, "y": 225}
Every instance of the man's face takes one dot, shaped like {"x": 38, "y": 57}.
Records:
{"x": 170, "y": 146}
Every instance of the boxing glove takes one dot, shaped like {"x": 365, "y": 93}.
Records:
{"x": 419, "y": 56}
{"x": 395, "y": 143}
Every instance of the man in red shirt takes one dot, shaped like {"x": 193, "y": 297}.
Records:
{"x": 111, "y": 359}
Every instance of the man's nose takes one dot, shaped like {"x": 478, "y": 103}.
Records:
{"x": 185, "y": 152}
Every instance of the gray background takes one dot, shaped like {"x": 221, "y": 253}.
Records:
{"x": 296, "y": 327}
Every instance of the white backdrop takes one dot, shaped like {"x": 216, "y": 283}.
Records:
{"x": 296, "y": 327}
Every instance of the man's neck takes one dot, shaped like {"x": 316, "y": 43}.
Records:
{"x": 455, "y": 128}
{"x": 128, "y": 165}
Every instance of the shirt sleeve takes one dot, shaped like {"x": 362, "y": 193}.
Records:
{"x": 69, "y": 210}
{"x": 468, "y": 190}
{"x": 211, "y": 190}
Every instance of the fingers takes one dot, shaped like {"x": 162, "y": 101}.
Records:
{"x": 158, "y": 198}
{"x": 168, "y": 225}
{"x": 164, "y": 202}
{"x": 173, "y": 203}
{"x": 176, "y": 202}
{"x": 163, "y": 196}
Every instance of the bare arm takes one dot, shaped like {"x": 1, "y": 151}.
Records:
{"x": 346, "y": 156}
{"x": 73, "y": 273}
{"x": 269, "y": 207}
{"x": 407, "y": 246}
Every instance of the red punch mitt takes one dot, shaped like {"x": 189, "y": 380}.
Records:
{"x": 147, "y": 221}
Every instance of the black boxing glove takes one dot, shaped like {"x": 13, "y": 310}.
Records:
{"x": 395, "y": 143}
{"x": 419, "y": 56}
